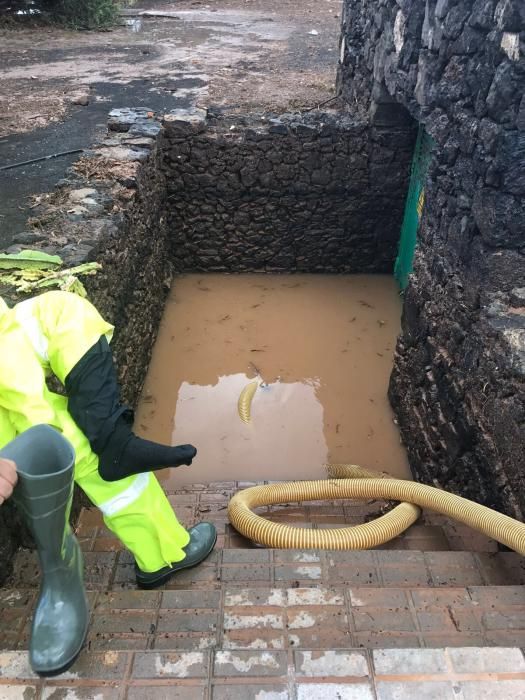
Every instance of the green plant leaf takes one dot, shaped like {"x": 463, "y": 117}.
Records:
{"x": 29, "y": 259}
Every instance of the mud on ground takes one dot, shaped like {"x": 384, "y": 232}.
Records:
{"x": 238, "y": 54}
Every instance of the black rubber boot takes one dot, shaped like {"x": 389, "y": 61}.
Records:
{"x": 94, "y": 404}
{"x": 45, "y": 462}
{"x": 126, "y": 454}
{"x": 202, "y": 541}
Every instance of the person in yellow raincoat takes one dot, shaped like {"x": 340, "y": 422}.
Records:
{"x": 62, "y": 333}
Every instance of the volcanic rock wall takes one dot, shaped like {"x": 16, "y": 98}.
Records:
{"x": 295, "y": 193}
{"x": 458, "y": 67}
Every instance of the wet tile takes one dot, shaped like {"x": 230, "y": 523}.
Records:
{"x": 250, "y": 663}
{"x": 180, "y": 664}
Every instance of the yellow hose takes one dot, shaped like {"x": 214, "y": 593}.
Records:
{"x": 350, "y": 481}
{"x": 244, "y": 403}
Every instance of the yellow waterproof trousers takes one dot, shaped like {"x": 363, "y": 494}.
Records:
{"x": 51, "y": 333}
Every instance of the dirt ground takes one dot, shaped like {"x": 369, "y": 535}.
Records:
{"x": 242, "y": 54}
{"x": 57, "y": 86}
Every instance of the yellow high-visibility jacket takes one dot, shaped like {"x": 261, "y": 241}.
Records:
{"x": 51, "y": 333}
{"x": 48, "y": 333}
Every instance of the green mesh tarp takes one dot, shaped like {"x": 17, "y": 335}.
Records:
{"x": 413, "y": 208}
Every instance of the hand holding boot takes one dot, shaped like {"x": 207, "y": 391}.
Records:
{"x": 8, "y": 478}
{"x": 45, "y": 462}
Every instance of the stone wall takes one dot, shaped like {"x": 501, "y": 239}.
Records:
{"x": 295, "y": 193}
{"x": 458, "y": 67}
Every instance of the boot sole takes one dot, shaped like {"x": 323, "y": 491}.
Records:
{"x": 146, "y": 586}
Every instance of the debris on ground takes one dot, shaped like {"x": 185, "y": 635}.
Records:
{"x": 30, "y": 271}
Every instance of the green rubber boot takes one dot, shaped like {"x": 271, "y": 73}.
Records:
{"x": 203, "y": 537}
{"x": 43, "y": 495}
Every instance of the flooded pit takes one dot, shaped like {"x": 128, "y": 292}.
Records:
{"x": 320, "y": 348}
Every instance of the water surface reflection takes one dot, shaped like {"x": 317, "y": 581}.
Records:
{"x": 321, "y": 347}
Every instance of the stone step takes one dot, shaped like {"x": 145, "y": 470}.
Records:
{"x": 432, "y": 532}
{"x": 279, "y": 599}
{"x": 280, "y": 567}
{"x": 422, "y": 536}
{"x": 224, "y": 674}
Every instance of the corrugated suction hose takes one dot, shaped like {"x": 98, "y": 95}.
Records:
{"x": 351, "y": 481}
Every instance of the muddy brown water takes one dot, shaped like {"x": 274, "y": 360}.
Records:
{"x": 320, "y": 348}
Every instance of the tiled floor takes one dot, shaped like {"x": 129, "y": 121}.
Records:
{"x": 343, "y": 674}
{"x": 252, "y": 602}
{"x": 416, "y": 621}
